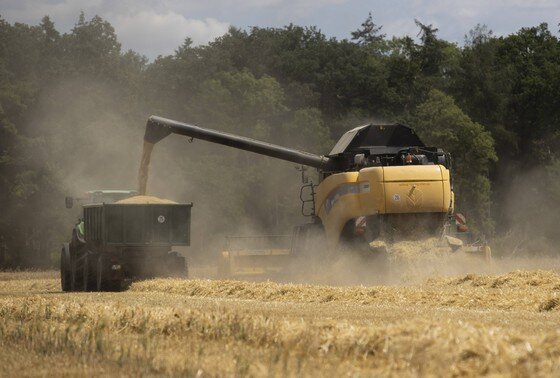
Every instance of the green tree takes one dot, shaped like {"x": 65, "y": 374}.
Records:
{"x": 532, "y": 57}
{"x": 369, "y": 34}
{"x": 431, "y": 52}
{"x": 92, "y": 47}
{"x": 482, "y": 86}
{"x": 440, "y": 122}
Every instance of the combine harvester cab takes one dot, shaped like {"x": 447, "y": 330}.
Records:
{"x": 124, "y": 240}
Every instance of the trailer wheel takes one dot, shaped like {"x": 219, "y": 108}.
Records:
{"x": 65, "y": 269}
{"x": 106, "y": 280}
{"x": 89, "y": 273}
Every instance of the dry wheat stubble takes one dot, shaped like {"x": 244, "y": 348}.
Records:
{"x": 467, "y": 325}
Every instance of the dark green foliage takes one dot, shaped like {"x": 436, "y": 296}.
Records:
{"x": 440, "y": 122}
{"x": 370, "y": 35}
{"x": 73, "y": 106}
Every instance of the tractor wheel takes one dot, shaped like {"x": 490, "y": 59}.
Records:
{"x": 89, "y": 273}
{"x": 77, "y": 281}
{"x": 105, "y": 276}
{"x": 65, "y": 268}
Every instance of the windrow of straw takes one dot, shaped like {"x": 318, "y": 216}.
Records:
{"x": 514, "y": 291}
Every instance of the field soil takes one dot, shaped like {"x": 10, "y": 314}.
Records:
{"x": 465, "y": 325}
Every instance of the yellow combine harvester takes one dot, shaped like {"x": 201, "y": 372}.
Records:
{"x": 379, "y": 183}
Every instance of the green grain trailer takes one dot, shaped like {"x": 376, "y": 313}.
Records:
{"x": 117, "y": 242}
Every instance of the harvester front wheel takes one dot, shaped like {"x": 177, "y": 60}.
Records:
{"x": 105, "y": 275}
{"x": 65, "y": 268}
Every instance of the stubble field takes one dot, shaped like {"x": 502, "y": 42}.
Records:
{"x": 464, "y": 325}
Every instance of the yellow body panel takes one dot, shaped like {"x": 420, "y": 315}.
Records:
{"x": 381, "y": 190}
{"x": 415, "y": 189}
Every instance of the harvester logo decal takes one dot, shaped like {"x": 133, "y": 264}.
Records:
{"x": 343, "y": 190}
{"x": 161, "y": 219}
{"x": 414, "y": 197}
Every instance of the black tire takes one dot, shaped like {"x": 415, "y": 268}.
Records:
{"x": 65, "y": 268}
{"x": 105, "y": 281}
{"x": 89, "y": 273}
{"x": 77, "y": 281}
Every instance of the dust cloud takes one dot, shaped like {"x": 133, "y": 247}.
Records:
{"x": 92, "y": 133}
{"x": 94, "y": 136}
{"x": 406, "y": 262}
{"x": 528, "y": 221}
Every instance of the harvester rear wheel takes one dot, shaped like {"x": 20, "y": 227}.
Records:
{"x": 105, "y": 279}
{"x": 65, "y": 268}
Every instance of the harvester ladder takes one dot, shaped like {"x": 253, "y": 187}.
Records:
{"x": 310, "y": 188}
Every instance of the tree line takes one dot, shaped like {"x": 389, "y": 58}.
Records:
{"x": 67, "y": 98}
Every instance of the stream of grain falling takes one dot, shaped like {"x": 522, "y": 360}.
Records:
{"x": 143, "y": 172}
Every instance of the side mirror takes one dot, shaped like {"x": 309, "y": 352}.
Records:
{"x": 69, "y": 202}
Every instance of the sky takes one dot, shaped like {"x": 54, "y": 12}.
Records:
{"x": 158, "y": 27}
